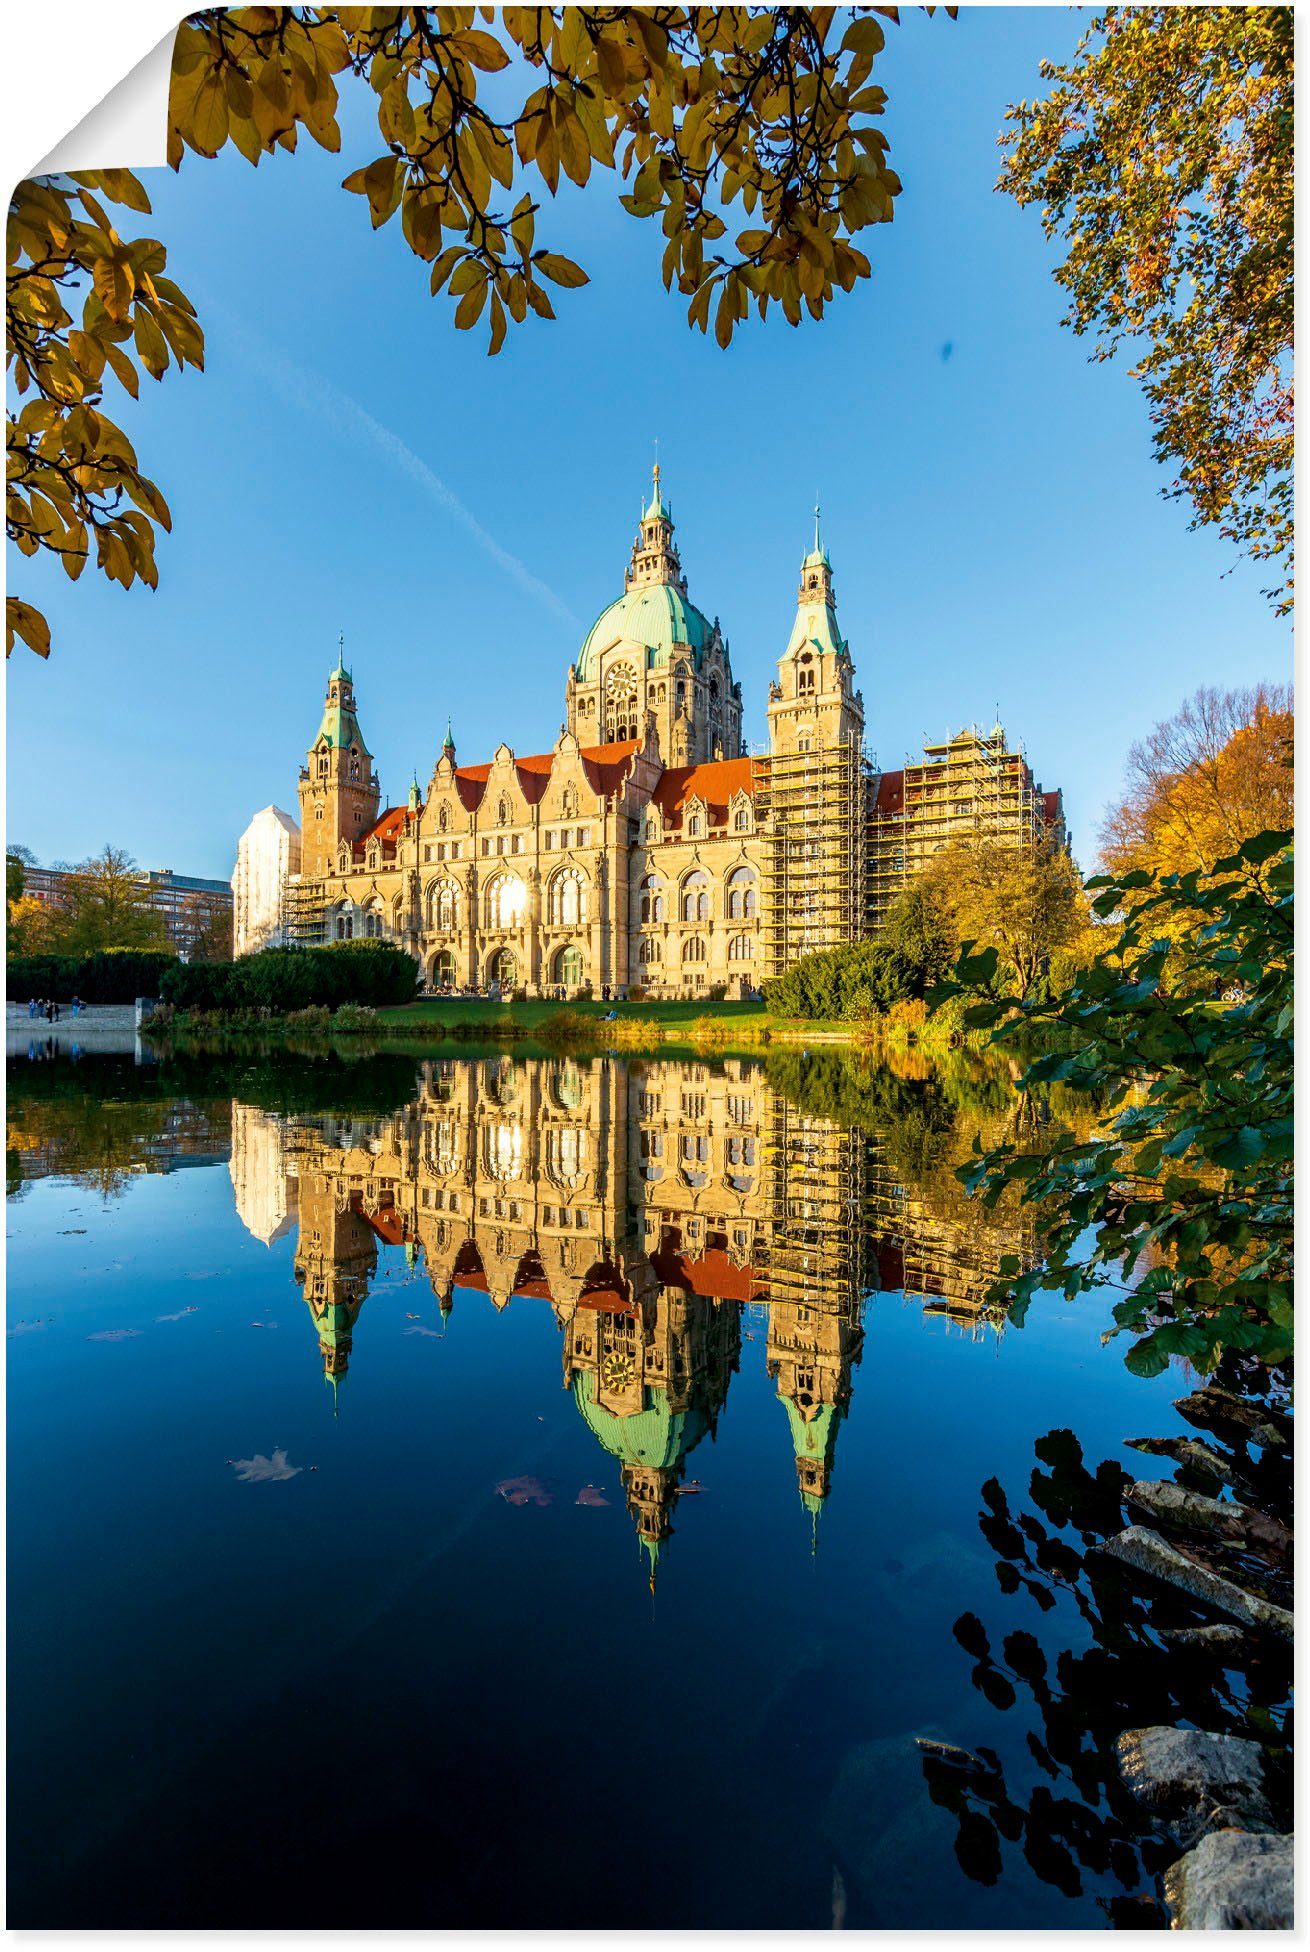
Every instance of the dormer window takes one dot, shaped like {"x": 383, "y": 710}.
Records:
{"x": 694, "y": 826}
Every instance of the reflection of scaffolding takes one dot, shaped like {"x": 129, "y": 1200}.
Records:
{"x": 304, "y": 911}
{"x": 968, "y": 789}
{"x": 947, "y": 1262}
{"x": 816, "y": 1243}
{"x": 812, "y": 813}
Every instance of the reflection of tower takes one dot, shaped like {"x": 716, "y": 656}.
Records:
{"x": 649, "y": 1380}
{"x": 335, "y": 1260}
{"x": 816, "y": 1283}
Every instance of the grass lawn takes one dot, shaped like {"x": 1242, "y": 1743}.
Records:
{"x": 460, "y": 1009}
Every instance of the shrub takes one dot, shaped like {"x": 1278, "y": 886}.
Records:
{"x": 717, "y": 992}
{"x": 354, "y": 1017}
{"x": 107, "y": 976}
{"x": 709, "y": 1030}
{"x": 634, "y": 1033}
{"x": 566, "y": 1029}
{"x": 315, "y": 1016}
{"x": 838, "y": 985}
{"x": 283, "y": 980}
{"x": 905, "y": 1020}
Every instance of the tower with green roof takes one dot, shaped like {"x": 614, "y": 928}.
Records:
{"x": 338, "y": 788}
{"x": 653, "y": 659}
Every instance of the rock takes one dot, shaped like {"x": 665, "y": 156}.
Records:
{"x": 1186, "y": 1777}
{"x": 1232, "y": 1881}
{"x": 1214, "y": 1409}
{"x": 1146, "y": 1552}
{"x": 1188, "y": 1511}
{"x": 1220, "y": 1639}
{"x": 1195, "y": 1456}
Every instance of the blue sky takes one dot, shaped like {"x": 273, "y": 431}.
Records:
{"x": 991, "y": 503}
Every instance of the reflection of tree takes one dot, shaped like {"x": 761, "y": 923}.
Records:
{"x": 106, "y": 1142}
{"x": 1131, "y": 1674}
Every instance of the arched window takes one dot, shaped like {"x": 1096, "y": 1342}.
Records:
{"x": 503, "y": 968}
{"x": 652, "y": 899}
{"x": 442, "y": 906}
{"x": 741, "y": 895}
{"x": 442, "y": 976}
{"x": 566, "y": 1154}
{"x": 741, "y": 820}
{"x": 651, "y": 949}
{"x": 696, "y": 897}
{"x": 502, "y": 1150}
{"x": 566, "y": 904}
{"x": 322, "y": 759}
{"x": 693, "y": 826}
{"x": 741, "y": 948}
{"x": 693, "y": 949}
{"x": 652, "y": 832}
{"x": 373, "y": 919}
{"x": 568, "y": 967}
{"x": 506, "y": 900}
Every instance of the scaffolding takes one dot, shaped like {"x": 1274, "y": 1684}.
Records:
{"x": 964, "y": 791}
{"x": 812, "y": 808}
{"x": 304, "y": 912}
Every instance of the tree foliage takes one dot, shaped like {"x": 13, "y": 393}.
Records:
{"x": 839, "y": 985}
{"x": 102, "y": 904}
{"x": 83, "y": 304}
{"x": 1162, "y": 156}
{"x": 751, "y": 134}
{"x": 1025, "y": 902}
{"x": 104, "y": 976}
{"x": 279, "y": 980}
{"x": 1212, "y": 776}
{"x": 1186, "y": 1182}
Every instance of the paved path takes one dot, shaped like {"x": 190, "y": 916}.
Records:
{"x": 101, "y": 1027}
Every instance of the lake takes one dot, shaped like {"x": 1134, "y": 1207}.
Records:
{"x": 510, "y": 1492}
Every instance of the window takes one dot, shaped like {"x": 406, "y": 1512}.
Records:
{"x": 741, "y": 895}
{"x": 652, "y": 899}
{"x": 565, "y": 903}
{"x": 506, "y": 900}
{"x": 568, "y": 967}
{"x": 694, "y": 826}
{"x": 741, "y": 948}
{"x": 651, "y": 949}
{"x": 693, "y": 949}
{"x": 652, "y": 833}
{"x": 742, "y": 819}
{"x": 696, "y": 897}
{"x": 442, "y": 908}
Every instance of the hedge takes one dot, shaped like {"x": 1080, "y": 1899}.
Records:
{"x": 282, "y": 980}
{"x": 107, "y": 976}
{"x": 837, "y": 985}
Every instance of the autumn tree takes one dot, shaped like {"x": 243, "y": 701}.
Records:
{"x": 104, "y": 904}
{"x": 1024, "y": 902}
{"x": 1162, "y": 159}
{"x": 1212, "y": 776}
{"x": 17, "y": 861}
{"x": 210, "y": 922}
{"x": 749, "y": 134}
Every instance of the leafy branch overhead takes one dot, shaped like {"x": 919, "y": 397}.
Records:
{"x": 699, "y": 111}
{"x": 765, "y": 117}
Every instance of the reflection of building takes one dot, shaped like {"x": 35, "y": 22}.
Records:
{"x": 650, "y": 1207}
{"x": 265, "y": 1196}
{"x": 646, "y": 848}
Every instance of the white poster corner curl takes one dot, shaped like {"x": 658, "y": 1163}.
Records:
{"x": 128, "y": 129}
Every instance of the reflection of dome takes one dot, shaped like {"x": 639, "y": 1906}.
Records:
{"x": 656, "y": 1438}
{"x": 814, "y": 1443}
{"x": 655, "y": 616}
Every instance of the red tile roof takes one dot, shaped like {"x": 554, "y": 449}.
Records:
{"x": 1053, "y": 807}
{"x": 714, "y": 1275}
{"x": 716, "y": 783}
{"x": 604, "y": 766}
{"x": 387, "y": 828}
{"x": 891, "y": 793}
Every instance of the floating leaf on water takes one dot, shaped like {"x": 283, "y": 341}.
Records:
{"x": 590, "y": 1495}
{"x": 189, "y": 1310}
{"x": 265, "y": 1470}
{"x": 113, "y": 1335}
{"x": 72, "y": 1230}
{"x": 524, "y": 1491}
{"x": 25, "y": 1328}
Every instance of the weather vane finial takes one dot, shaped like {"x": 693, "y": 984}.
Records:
{"x": 657, "y": 461}
{"x": 817, "y": 544}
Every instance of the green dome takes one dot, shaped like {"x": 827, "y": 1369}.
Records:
{"x": 655, "y": 615}
{"x": 656, "y": 1438}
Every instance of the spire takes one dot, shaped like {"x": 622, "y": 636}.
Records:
{"x": 341, "y": 671}
{"x": 657, "y": 510}
{"x": 414, "y": 793}
{"x": 449, "y": 744}
{"x": 654, "y": 555}
{"x": 818, "y": 556}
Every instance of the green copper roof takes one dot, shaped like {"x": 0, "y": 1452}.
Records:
{"x": 341, "y": 672}
{"x": 816, "y": 626}
{"x": 654, "y": 1437}
{"x": 817, "y": 1438}
{"x": 654, "y": 615}
{"x": 656, "y": 510}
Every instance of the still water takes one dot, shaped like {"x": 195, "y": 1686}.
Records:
{"x": 524, "y": 1493}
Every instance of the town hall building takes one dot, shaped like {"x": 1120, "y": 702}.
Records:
{"x": 648, "y": 851}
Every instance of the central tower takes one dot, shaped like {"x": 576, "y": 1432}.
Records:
{"x": 653, "y": 658}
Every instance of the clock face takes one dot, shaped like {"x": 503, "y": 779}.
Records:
{"x": 621, "y": 685}
{"x": 617, "y": 1370}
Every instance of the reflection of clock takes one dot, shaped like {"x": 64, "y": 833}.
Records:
{"x": 617, "y": 1370}
{"x": 621, "y": 685}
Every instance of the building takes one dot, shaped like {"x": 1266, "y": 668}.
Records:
{"x": 268, "y": 854}
{"x": 647, "y": 850}
{"x": 188, "y": 902}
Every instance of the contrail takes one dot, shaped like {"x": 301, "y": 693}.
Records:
{"x": 319, "y": 398}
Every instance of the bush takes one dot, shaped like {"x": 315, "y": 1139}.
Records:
{"x": 905, "y": 1020}
{"x": 315, "y": 1016}
{"x": 354, "y": 1016}
{"x": 717, "y": 992}
{"x": 708, "y": 1031}
{"x": 107, "y": 976}
{"x": 566, "y": 1029}
{"x": 839, "y": 985}
{"x": 285, "y": 980}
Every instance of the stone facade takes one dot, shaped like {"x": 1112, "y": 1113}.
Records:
{"x": 647, "y": 851}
